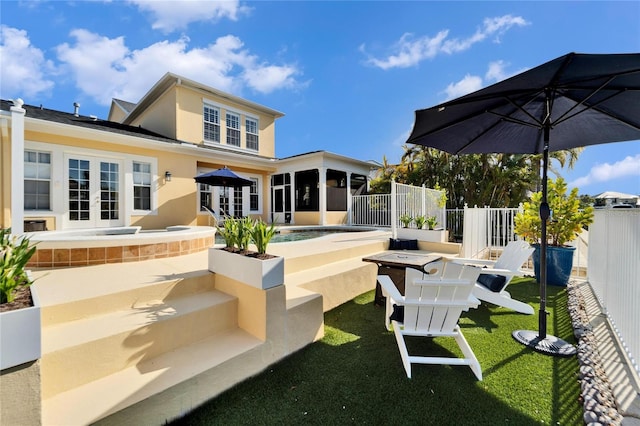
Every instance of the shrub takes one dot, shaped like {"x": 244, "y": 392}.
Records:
{"x": 432, "y": 221}
{"x": 261, "y": 234}
{"x": 420, "y": 221}
{"x": 15, "y": 252}
{"x": 566, "y": 221}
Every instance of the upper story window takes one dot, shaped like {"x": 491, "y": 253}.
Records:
{"x": 37, "y": 180}
{"x": 211, "y": 124}
{"x": 233, "y": 129}
{"x": 252, "y": 133}
{"x": 141, "y": 186}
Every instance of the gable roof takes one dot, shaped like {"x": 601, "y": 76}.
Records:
{"x": 169, "y": 80}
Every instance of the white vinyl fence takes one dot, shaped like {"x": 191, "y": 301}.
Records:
{"x": 414, "y": 201}
{"x": 614, "y": 273}
{"x": 486, "y": 229}
{"x": 371, "y": 210}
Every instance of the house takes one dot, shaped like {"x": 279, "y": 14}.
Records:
{"x": 612, "y": 199}
{"x": 63, "y": 170}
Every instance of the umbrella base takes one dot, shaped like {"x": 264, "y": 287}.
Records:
{"x": 550, "y": 345}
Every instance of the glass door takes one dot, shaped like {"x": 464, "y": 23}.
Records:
{"x": 93, "y": 193}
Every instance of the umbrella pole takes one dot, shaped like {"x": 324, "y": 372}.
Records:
{"x": 541, "y": 341}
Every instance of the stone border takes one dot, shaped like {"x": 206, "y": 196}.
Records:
{"x": 609, "y": 393}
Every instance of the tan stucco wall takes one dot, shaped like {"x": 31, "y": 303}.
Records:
{"x": 160, "y": 116}
{"x": 306, "y": 218}
{"x": 20, "y": 395}
{"x": 189, "y": 108}
{"x": 336, "y": 218}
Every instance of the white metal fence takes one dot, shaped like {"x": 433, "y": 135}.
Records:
{"x": 486, "y": 229}
{"x": 414, "y": 201}
{"x": 614, "y": 271}
{"x": 371, "y": 210}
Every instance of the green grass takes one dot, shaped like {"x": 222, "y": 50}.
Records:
{"x": 355, "y": 375}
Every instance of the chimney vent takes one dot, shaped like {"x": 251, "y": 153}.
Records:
{"x": 76, "y": 109}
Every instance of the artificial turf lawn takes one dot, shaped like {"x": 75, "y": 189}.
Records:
{"x": 355, "y": 375}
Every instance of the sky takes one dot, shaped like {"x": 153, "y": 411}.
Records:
{"x": 348, "y": 75}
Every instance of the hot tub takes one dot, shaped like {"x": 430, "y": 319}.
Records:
{"x": 83, "y": 247}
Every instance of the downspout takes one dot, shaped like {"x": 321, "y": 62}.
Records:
{"x": 17, "y": 167}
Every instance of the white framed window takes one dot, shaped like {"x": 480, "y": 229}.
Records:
{"x": 206, "y": 197}
{"x": 37, "y": 180}
{"x": 211, "y": 116}
{"x": 141, "y": 186}
{"x": 251, "y": 126}
{"x": 254, "y": 199}
{"x": 233, "y": 129}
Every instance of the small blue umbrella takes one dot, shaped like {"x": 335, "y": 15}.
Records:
{"x": 223, "y": 177}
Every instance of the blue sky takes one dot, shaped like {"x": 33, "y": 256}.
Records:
{"x": 348, "y": 75}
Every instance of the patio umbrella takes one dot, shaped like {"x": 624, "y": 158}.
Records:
{"x": 571, "y": 101}
{"x": 223, "y": 177}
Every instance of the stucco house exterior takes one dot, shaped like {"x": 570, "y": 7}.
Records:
{"x": 65, "y": 170}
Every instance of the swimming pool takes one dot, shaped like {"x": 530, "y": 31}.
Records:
{"x": 286, "y": 235}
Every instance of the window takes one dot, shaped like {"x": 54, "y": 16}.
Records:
{"x": 233, "y": 129}
{"x": 205, "y": 197}
{"x": 252, "y": 133}
{"x": 37, "y": 180}
{"x": 254, "y": 205}
{"x": 141, "y": 186}
{"x": 306, "y": 191}
{"x": 237, "y": 202}
{"x": 211, "y": 124}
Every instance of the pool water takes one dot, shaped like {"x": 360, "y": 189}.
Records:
{"x": 287, "y": 236}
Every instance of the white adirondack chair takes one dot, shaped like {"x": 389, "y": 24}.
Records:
{"x": 432, "y": 305}
{"x": 507, "y": 265}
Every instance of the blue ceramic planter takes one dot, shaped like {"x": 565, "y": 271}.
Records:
{"x": 559, "y": 264}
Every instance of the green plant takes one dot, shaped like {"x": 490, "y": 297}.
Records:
{"x": 245, "y": 225}
{"x": 261, "y": 234}
{"x": 420, "y": 221}
{"x": 229, "y": 231}
{"x": 15, "y": 252}
{"x": 432, "y": 221}
{"x": 406, "y": 220}
{"x": 566, "y": 221}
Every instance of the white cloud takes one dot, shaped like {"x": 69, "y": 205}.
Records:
{"x": 629, "y": 166}
{"x": 22, "y": 66}
{"x": 173, "y": 15}
{"x": 104, "y": 68}
{"x": 409, "y": 51}
{"x": 470, "y": 83}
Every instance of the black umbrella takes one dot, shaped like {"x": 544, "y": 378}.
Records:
{"x": 572, "y": 101}
{"x": 223, "y": 177}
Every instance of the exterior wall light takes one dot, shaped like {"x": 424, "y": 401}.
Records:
{"x": 167, "y": 176}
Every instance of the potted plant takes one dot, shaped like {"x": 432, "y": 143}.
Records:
{"x": 405, "y": 220}
{"x": 566, "y": 222}
{"x": 420, "y": 221}
{"x": 236, "y": 261}
{"x": 19, "y": 305}
{"x": 432, "y": 221}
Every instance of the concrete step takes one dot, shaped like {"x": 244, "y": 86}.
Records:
{"x": 304, "y": 260}
{"x": 337, "y": 282}
{"x": 77, "y": 352}
{"x": 150, "y": 377}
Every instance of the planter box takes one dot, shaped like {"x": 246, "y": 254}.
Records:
{"x": 20, "y": 333}
{"x": 262, "y": 274}
{"x": 431, "y": 235}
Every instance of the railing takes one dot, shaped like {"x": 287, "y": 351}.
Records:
{"x": 414, "y": 201}
{"x": 372, "y": 210}
{"x": 486, "y": 229}
{"x": 614, "y": 268}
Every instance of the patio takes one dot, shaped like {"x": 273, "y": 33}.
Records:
{"x": 354, "y": 375}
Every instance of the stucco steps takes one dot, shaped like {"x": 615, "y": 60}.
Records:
{"x": 77, "y": 352}
{"x": 97, "y": 399}
{"x": 337, "y": 282}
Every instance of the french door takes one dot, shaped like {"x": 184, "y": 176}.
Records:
{"x": 93, "y": 188}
